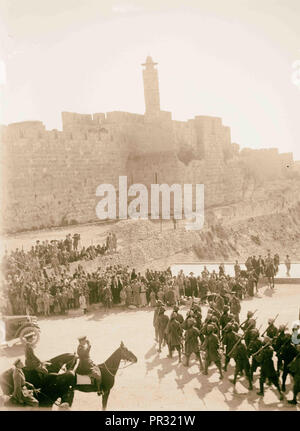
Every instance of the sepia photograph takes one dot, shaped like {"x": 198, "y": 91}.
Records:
{"x": 149, "y": 208}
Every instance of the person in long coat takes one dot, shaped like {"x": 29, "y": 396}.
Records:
{"x": 191, "y": 341}
{"x": 162, "y": 322}
{"x": 143, "y": 297}
{"x": 152, "y": 299}
{"x": 174, "y": 335}
{"x": 20, "y": 394}
{"x": 211, "y": 346}
{"x": 267, "y": 369}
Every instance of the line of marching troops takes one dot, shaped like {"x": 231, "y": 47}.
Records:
{"x": 222, "y": 337}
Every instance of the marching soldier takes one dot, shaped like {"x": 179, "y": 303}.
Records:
{"x": 211, "y": 346}
{"x": 241, "y": 363}
{"x": 179, "y": 317}
{"x": 191, "y": 342}
{"x": 229, "y": 340}
{"x": 295, "y": 369}
{"x": 254, "y": 346}
{"x": 278, "y": 342}
{"x": 267, "y": 370}
{"x": 174, "y": 335}
{"x": 272, "y": 331}
{"x": 247, "y": 326}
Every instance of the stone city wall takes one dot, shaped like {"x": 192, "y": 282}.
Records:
{"x": 49, "y": 178}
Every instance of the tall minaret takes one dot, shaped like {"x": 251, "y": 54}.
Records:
{"x": 151, "y": 89}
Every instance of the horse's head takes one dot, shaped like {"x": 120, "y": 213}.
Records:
{"x": 126, "y": 354}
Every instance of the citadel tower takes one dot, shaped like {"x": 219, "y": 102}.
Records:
{"x": 151, "y": 87}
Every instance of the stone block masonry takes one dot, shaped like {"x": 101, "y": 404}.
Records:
{"x": 49, "y": 178}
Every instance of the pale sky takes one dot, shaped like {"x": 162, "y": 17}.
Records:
{"x": 228, "y": 58}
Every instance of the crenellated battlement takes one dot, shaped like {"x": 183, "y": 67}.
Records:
{"x": 50, "y": 176}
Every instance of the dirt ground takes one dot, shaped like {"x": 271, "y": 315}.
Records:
{"x": 156, "y": 382}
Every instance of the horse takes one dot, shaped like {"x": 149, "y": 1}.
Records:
{"x": 49, "y": 386}
{"x": 53, "y": 385}
{"x": 270, "y": 273}
{"x": 108, "y": 370}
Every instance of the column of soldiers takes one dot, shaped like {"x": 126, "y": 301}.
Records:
{"x": 222, "y": 338}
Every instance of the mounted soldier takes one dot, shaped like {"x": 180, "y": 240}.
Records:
{"x": 85, "y": 365}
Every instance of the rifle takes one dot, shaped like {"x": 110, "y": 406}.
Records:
{"x": 246, "y": 320}
{"x": 269, "y": 325}
{"x": 262, "y": 348}
{"x": 239, "y": 340}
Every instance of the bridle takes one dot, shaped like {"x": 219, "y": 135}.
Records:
{"x": 118, "y": 368}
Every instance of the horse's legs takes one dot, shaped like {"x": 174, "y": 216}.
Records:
{"x": 104, "y": 399}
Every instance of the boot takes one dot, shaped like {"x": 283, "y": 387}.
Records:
{"x": 99, "y": 391}
{"x": 261, "y": 389}
{"x": 280, "y": 393}
{"x": 221, "y": 374}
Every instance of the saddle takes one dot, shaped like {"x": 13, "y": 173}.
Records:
{"x": 89, "y": 379}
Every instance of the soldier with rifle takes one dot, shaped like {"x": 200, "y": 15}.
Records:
{"x": 225, "y": 318}
{"x": 191, "y": 342}
{"x": 249, "y": 324}
{"x": 229, "y": 340}
{"x": 211, "y": 347}
{"x": 254, "y": 346}
{"x": 271, "y": 330}
{"x": 295, "y": 369}
{"x": 267, "y": 371}
{"x": 239, "y": 353}
{"x": 278, "y": 342}
{"x": 174, "y": 336}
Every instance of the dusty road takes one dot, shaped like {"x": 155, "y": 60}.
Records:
{"x": 156, "y": 382}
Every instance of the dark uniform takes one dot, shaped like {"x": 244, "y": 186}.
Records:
{"x": 247, "y": 326}
{"x": 86, "y": 365}
{"x": 254, "y": 345}
{"x": 162, "y": 322}
{"x": 295, "y": 369}
{"x": 191, "y": 342}
{"x": 272, "y": 331}
{"x": 211, "y": 346}
{"x": 174, "y": 335}
{"x": 229, "y": 340}
{"x": 241, "y": 363}
{"x": 267, "y": 370}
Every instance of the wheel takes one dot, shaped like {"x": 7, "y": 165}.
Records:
{"x": 30, "y": 330}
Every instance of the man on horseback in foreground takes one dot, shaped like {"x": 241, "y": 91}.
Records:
{"x": 86, "y": 366}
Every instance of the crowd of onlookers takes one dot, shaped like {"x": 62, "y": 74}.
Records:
{"x": 29, "y": 288}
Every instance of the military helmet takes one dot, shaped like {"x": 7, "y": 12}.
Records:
{"x": 270, "y": 321}
{"x": 250, "y": 314}
{"x": 267, "y": 339}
